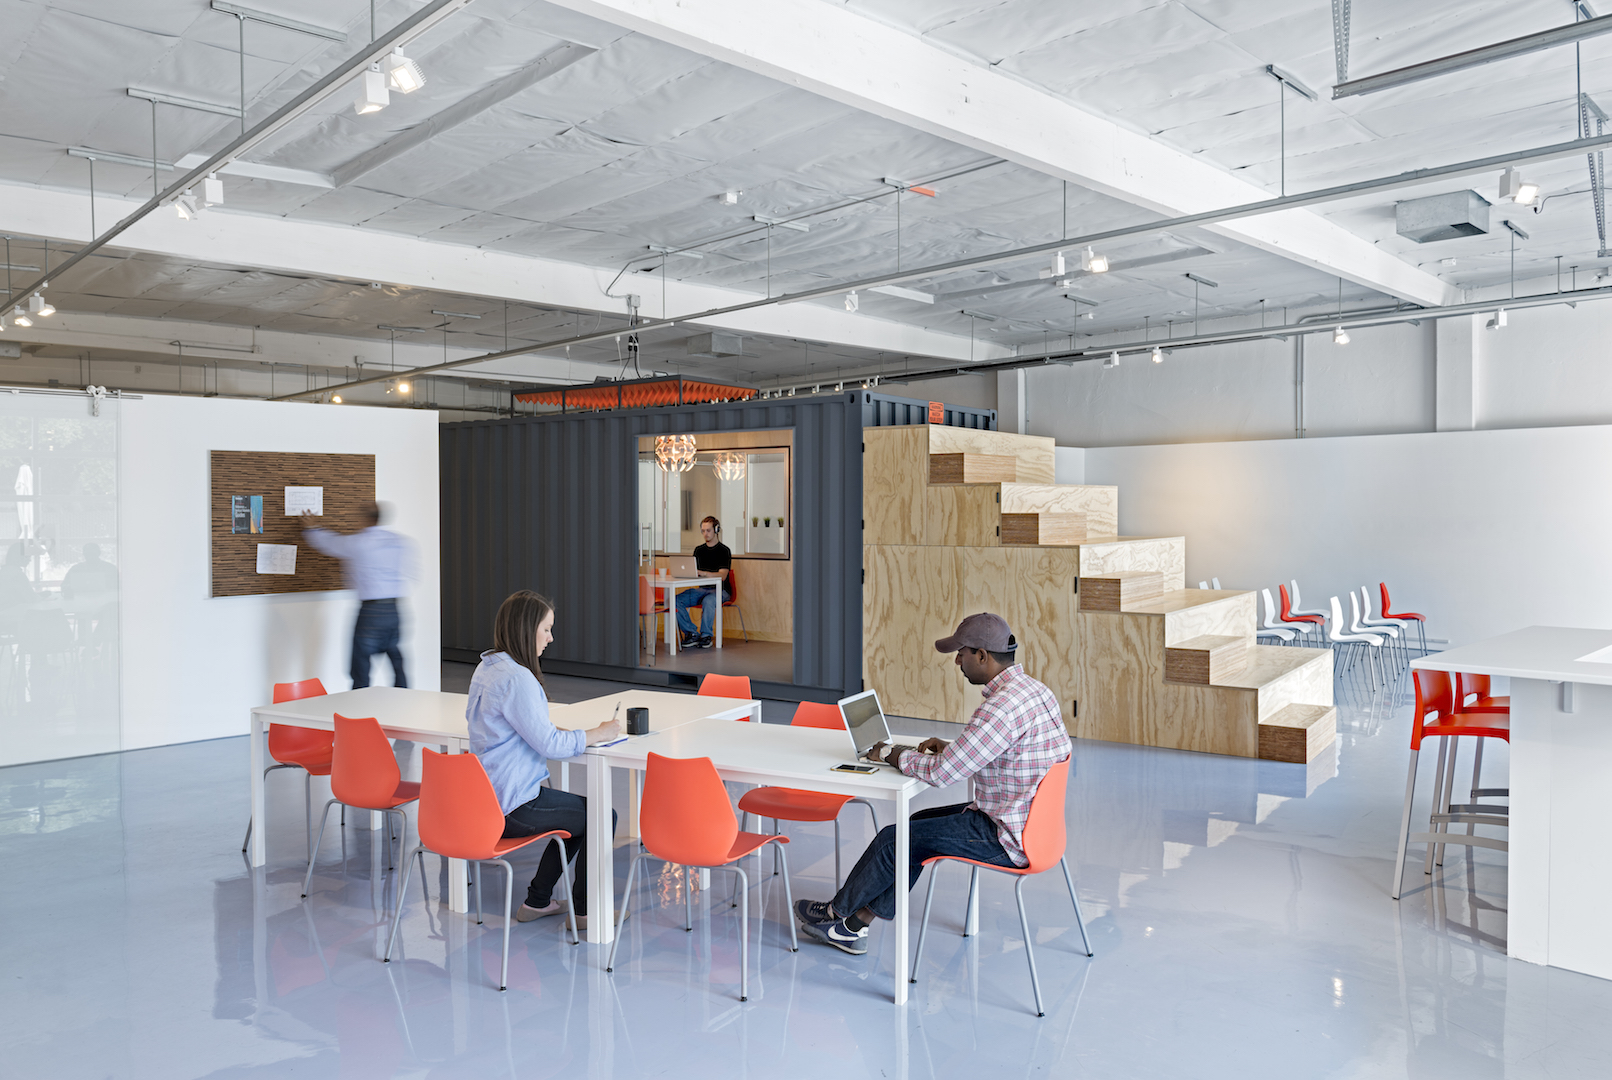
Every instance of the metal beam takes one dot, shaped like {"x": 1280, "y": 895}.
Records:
{"x": 1488, "y": 54}
{"x": 416, "y": 24}
{"x": 269, "y": 19}
{"x": 184, "y": 102}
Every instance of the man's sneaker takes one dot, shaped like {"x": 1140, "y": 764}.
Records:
{"x": 705, "y": 642}
{"x": 835, "y": 932}
{"x": 688, "y": 641}
{"x": 810, "y": 911}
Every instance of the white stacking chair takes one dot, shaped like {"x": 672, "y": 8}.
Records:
{"x": 1203, "y": 584}
{"x": 1398, "y": 629}
{"x": 1215, "y": 581}
{"x": 1297, "y": 607}
{"x": 1339, "y": 636}
{"x": 1389, "y": 634}
{"x": 1273, "y": 627}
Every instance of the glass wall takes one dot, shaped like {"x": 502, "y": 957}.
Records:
{"x": 58, "y": 577}
{"x": 748, "y": 490}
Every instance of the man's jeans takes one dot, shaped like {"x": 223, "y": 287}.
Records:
{"x": 703, "y": 598}
{"x": 377, "y": 631}
{"x": 943, "y": 830}
{"x": 555, "y": 810}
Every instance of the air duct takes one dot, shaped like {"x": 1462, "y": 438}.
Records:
{"x": 715, "y": 344}
{"x": 1442, "y": 217}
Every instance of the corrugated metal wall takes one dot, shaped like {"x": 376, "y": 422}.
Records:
{"x": 887, "y": 410}
{"x": 550, "y": 503}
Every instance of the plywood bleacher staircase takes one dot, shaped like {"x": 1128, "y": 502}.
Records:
{"x": 958, "y": 521}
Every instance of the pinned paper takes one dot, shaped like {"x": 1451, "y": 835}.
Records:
{"x": 301, "y": 500}
{"x": 277, "y": 558}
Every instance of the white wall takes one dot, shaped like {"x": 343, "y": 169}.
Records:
{"x": 1482, "y": 531}
{"x": 193, "y": 666}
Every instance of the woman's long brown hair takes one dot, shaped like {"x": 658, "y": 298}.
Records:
{"x": 515, "y": 627}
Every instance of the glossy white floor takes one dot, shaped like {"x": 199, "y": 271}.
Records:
{"x": 1241, "y": 921}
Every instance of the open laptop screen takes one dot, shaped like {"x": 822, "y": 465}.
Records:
{"x": 865, "y": 720}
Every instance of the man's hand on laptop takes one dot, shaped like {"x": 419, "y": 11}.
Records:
{"x": 884, "y": 752}
{"x": 932, "y": 746}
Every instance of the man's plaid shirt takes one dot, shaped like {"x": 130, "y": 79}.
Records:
{"x": 1010, "y": 742}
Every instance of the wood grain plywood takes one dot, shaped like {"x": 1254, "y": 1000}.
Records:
{"x": 1061, "y": 530}
{"x": 1206, "y": 611}
{"x": 1120, "y": 591}
{"x": 961, "y": 515}
{"x": 1035, "y": 453}
{"x": 767, "y": 595}
{"x": 1099, "y": 503}
{"x": 1039, "y": 606}
{"x": 1166, "y": 554}
{"x": 1123, "y": 697}
{"x": 893, "y": 483}
{"x": 1286, "y": 676}
{"x": 349, "y": 483}
{"x": 1299, "y": 733}
{"x": 1205, "y": 660}
{"x": 972, "y": 468}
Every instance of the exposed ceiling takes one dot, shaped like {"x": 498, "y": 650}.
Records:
{"x": 629, "y": 142}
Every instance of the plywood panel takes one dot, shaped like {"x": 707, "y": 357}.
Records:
{"x": 1286, "y": 676}
{"x": 1035, "y": 453}
{"x": 1204, "y": 660}
{"x": 961, "y": 515}
{"x": 894, "y": 470}
{"x": 1299, "y": 733}
{"x": 349, "y": 483}
{"x": 1061, "y": 530}
{"x": 1196, "y": 612}
{"x": 1119, "y": 591}
{"x": 767, "y": 595}
{"x": 1099, "y": 503}
{"x": 1166, "y": 554}
{"x": 972, "y": 468}
{"x": 1039, "y": 606}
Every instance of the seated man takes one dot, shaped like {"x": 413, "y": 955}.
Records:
{"x": 712, "y": 559}
{"x": 1012, "y": 739}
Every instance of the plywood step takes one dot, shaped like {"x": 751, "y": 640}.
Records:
{"x": 1036, "y": 454}
{"x": 1205, "y": 660}
{"x": 1100, "y": 504}
{"x": 1192, "y": 613}
{"x": 1101, "y": 555}
{"x": 1119, "y": 591}
{"x": 1285, "y": 676}
{"x": 1053, "y": 530}
{"x": 1298, "y": 733}
{"x": 973, "y": 468}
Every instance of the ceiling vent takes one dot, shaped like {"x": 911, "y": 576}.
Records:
{"x": 715, "y": 344}
{"x": 1442, "y": 217}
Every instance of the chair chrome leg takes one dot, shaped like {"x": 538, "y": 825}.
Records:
{"x": 324, "y": 817}
{"x": 744, "y": 932}
{"x": 1448, "y": 793}
{"x": 1029, "y": 952}
{"x": 1438, "y": 796}
{"x": 307, "y": 808}
{"x": 1080, "y": 920}
{"x": 509, "y": 901}
{"x": 475, "y": 885}
{"x": 1477, "y": 767}
{"x": 789, "y": 902}
{"x": 397, "y": 916}
{"x": 973, "y": 884}
{"x": 570, "y": 907}
{"x": 1404, "y": 825}
{"x": 838, "y": 880}
{"x": 777, "y": 849}
{"x": 688, "y": 903}
{"x": 923, "y": 926}
{"x": 621, "y": 916}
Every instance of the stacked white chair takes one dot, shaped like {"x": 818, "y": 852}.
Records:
{"x": 1297, "y": 607}
{"x": 1358, "y": 641}
{"x": 1273, "y": 628}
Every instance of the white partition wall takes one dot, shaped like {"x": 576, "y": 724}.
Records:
{"x": 1482, "y": 531}
{"x": 193, "y": 665}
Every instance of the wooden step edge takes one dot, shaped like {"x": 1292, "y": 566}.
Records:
{"x": 1115, "y": 591}
{"x": 965, "y": 468}
{"x": 1204, "y": 660}
{"x": 1043, "y": 529}
{"x": 1298, "y": 733}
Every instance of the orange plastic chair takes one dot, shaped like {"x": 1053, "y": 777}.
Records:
{"x": 686, "y": 820}
{"x": 460, "y": 819}
{"x": 648, "y": 608}
{"x": 730, "y": 686}
{"x": 792, "y": 804}
{"x": 293, "y": 747}
{"x": 1477, "y": 686}
{"x": 733, "y": 602}
{"x": 1435, "y": 696}
{"x": 1044, "y": 839}
{"x": 364, "y": 775}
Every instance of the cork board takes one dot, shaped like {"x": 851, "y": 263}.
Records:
{"x": 349, "y": 483}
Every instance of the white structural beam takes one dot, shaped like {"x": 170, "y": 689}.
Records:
{"x": 856, "y": 61}
{"x": 231, "y": 238}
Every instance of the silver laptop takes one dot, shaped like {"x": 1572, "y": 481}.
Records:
{"x": 865, "y": 723}
{"x": 682, "y": 566}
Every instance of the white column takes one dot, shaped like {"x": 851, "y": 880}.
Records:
{"x": 1456, "y": 373}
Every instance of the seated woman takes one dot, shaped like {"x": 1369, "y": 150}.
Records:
{"x": 510, "y": 731}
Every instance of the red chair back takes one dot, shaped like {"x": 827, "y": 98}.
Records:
{"x": 685, "y": 815}
{"x": 1434, "y": 694}
{"x": 1467, "y": 684}
{"x": 730, "y": 686}
{"x": 1287, "y": 609}
{"x": 1045, "y": 831}
{"x": 363, "y": 771}
{"x": 287, "y": 742}
{"x": 733, "y": 589}
{"x": 818, "y": 715}
{"x": 459, "y": 812}
{"x": 646, "y": 596}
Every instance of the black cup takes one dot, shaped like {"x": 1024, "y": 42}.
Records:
{"x": 638, "y": 721}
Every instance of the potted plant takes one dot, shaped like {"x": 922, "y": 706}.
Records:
{"x": 780, "y": 522}
{"x": 754, "y": 522}
{"x": 767, "y": 521}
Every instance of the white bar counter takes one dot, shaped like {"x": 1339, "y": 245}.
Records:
{"x": 1559, "y": 881}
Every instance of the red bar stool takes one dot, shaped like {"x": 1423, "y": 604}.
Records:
{"x": 1477, "y": 687}
{"x": 1435, "y": 695}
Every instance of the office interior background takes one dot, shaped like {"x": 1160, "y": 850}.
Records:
{"x": 1317, "y": 285}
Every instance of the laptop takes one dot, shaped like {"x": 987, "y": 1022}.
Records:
{"x": 865, "y": 723}
{"x": 682, "y": 566}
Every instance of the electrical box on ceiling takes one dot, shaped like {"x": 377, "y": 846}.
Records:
{"x": 1442, "y": 217}
{"x": 10, "y": 350}
{"x": 716, "y": 344}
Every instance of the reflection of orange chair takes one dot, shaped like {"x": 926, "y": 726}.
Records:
{"x": 688, "y": 821}
{"x": 1044, "y": 839}
{"x": 648, "y": 608}
{"x": 729, "y": 686}
{"x": 790, "y": 804}
{"x": 365, "y": 776}
{"x": 460, "y": 819}
{"x": 294, "y": 747}
{"x": 733, "y": 602}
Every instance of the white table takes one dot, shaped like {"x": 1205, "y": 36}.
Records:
{"x": 748, "y": 753}
{"x": 668, "y": 587}
{"x": 1561, "y": 759}
{"x": 422, "y": 716}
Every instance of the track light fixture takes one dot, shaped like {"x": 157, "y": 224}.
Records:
{"x": 372, "y": 93}
{"x": 1112, "y": 361}
{"x": 403, "y": 387}
{"x": 1340, "y": 336}
{"x": 403, "y": 74}
{"x": 851, "y": 301}
{"x": 1056, "y": 270}
{"x": 23, "y": 319}
{"x": 729, "y": 198}
{"x": 212, "y": 193}
{"x": 1093, "y": 263}
{"x": 336, "y": 398}
{"x": 1158, "y": 355}
{"x": 185, "y": 206}
{"x": 38, "y": 305}
{"x": 1497, "y": 321}
{"x": 1514, "y": 187}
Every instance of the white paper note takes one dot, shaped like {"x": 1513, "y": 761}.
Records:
{"x": 277, "y": 558}
{"x": 299, "y": 499}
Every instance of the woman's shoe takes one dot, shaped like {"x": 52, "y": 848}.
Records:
{"x": 528, "y": 913}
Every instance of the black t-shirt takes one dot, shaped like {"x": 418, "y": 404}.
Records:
{"x": 713, "y": 557}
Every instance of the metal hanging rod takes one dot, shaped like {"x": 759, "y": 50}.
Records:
{"x": 1488, "y": 54}
{"x": 269, "y": 19}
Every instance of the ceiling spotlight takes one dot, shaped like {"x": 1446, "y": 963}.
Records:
{"x": 1514, "y": 187}
{"x": 1057, "y": 268}
{"x": 1093, "y": 263}
{"x": 185, "y": 206}
{"x": 1497, "y": 321}
{"x": 404, "y": 74}
{"x": 372, "y": 93}
{"x": 1158, "y": 355}
{"x": 38, "y": 305}
{"x": 2, "y": 324}
{"x": 23, "y": 319}
{"x": 729, "y": 198}
{"x": 1340, "y": 336}
{"x": 336, "y": 398}
{"x": 1112, "y": 361}
{"x": 403, "y": 387}
{"x": 851, "y": 301}
{"x": 212, "y": 192}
